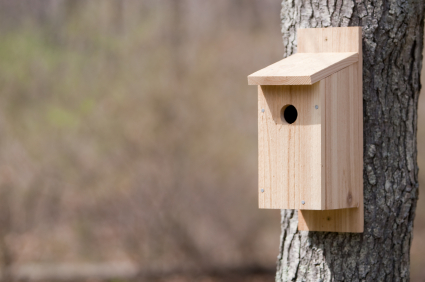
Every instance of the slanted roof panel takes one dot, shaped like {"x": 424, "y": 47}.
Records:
{"x": 303, "y": 68}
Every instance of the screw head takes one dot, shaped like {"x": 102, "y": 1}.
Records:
{"x": 316, "y": 107}
{"x": 303, "y": 202}
{"x": 263, "y": 110}
{"x": 262, "y": 190}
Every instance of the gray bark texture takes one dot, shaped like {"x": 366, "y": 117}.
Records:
{"x": 392, "y": 61}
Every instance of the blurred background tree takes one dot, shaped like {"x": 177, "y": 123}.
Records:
{"x": 129, "y": 140}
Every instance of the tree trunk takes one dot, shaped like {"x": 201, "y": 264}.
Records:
{"x": 392, "y": 61}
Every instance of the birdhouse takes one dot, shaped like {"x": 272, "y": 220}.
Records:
{"x": 310, "y": 131}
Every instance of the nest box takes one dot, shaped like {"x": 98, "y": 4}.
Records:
{"x": 310, "y": 131}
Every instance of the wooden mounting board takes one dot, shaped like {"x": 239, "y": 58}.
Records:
{"x": 325, "y": 40}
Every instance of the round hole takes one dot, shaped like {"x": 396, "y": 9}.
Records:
{"x": 289, "y": 114}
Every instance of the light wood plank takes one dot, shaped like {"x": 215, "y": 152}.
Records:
{"x": 328, "y": 40}
{"x": 339, "y": 220}
{"x": 290, "y": 159}
{"x": 302, "y": 69}
{"x": 342, "y": 161}
{"x": 342, "y": 220}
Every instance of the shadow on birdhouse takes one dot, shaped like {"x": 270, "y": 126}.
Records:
{"x": 310, "y": 131}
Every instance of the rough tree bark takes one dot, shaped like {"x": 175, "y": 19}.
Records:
{"x": 392, "y": 61}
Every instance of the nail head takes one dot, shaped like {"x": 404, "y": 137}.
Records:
{"x": 316, "y": 107}
{"x": 262, "y": 110}
{"x": 302, "y": 202}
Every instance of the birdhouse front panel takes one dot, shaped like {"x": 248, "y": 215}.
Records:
{"x": 290, "y": 147}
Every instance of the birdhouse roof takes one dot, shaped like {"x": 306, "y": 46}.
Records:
{"x": 303, "y": 68}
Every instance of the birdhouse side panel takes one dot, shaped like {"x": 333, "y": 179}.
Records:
{"x": 344, "y": 177}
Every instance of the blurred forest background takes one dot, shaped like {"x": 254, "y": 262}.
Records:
{"x": 129, "y": 141}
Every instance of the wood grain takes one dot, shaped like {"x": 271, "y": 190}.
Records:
{"x": 290, "y": 159}
{"x": 343, "y": 162}
{"x": 302, "y": 69}
{"x": 343, "y": 177}
{"x": 316, "y": 163}
{"x": 342, "y": 220}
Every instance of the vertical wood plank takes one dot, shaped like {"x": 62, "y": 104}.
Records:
{"x": 342, "y": 187}
{"x": 290, "y": 162}
{"x": 343, "y": 165}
